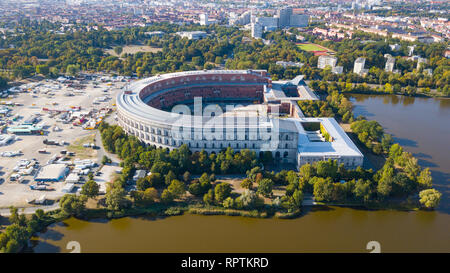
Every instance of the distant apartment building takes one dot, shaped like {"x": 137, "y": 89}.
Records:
{"x": 390, "y": 63}
{"x": 411, "y": 50}
{"x": 358, "y": 67}
{"x": 268, "y": 23}
{"x": 243, "y": 19}
{"x": 395, "y": 47}
{"x": 204, "y": 19}
{"x": 421, "y": 61}
{"x": 154, "y": 33}
{"x": 257, "y": 30}
{"x": 285, "y": 64}
{"x": 325, "y": 61}
{"x": 299, "y": 20}
{"x": 337, "y": 69}
{"x": 284, "y": 17}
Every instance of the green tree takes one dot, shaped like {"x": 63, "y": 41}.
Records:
{"x": 90, "y": 189}
{"x": 118, "y": 50}
{"x": 187, "y": 177}
{"x": 72, "y": 204}
{"x": 222, "y": 191}
{"x": 116, "y": 198}
{"x": 177, "y": 188}
{"x": 425, "y": 180}
{"x": 208, "y": 198}
{"x": 166, "y": 196}
{"x": 247, "y": 184}
{"x": 169, "y": 177}
{"x": 265, "y": 187}
{"x": 363, "y": 190}
{"x": 323, "y": 190}
{"x": 430, "y": 198}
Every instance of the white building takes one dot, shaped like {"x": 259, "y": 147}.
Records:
{"x": 421, "y": 62}
{"x": 192, "y": 35}
{"x": 390, "y": 63}
{"x": 257, "y": 30}
{"x": 285, "y": 64}
{"x": 337, "y": 69}
{"x": 204, "y": 19}
{"x": 325, "y": 61}
{"x": 358, "y": 67}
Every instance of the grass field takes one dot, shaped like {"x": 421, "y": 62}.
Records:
{"x": 80, "y": 151}
{"x": 312, "y": 47}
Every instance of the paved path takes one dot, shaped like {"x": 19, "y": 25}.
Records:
{"x": 30, "y": 210}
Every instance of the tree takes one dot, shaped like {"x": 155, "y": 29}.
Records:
{"x": 186, "y": 177}
{"x": 118, "y": 50}
{"x": 248, "y": 199}
{"x": 72, "y": 69}
{"x": 265, "y": 187}
{"x": 208, "y": 198}
{"x": 177, "y": 188}
{"x": 155, "y": 180}
{"x": 106, "y": 160}
{"x": 222, "y": 191}
{"x": 307, "y": 171}
{"x": 246, "y": 184}
{"x": 116, "y": 198}
{"x": 166, "y": 196}
{"x": 430, "y": 198}
{"x": 384, "y": 187}
{"x": 169, "y": 177}
{"x": 327, "y": 168}
{"x": 14, "y": 238}
{"x": 90, "y": 189}
{"x": 143, "y": 183}
{"x": 362, "y": 190}
{"x": 195, "y": 189}
{"x": 323, "y": 190}
{"x": 425, "y": 180}
{"x": 294, "y": 201}
{"x": 72, "y": 204}
{"x": 228, "y": 203}
{"x": 145, "y": 198}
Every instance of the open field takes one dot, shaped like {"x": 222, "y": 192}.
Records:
{"x": 312, "y": 47}
{"x": 77, "y": 147}
{"x": 133, "y": 49}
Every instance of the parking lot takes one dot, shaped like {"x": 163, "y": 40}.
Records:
{"x": 68, "y": 114}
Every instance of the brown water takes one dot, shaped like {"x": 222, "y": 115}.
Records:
{"x": 420, "y": 125}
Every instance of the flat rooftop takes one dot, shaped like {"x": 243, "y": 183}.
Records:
{"x": 341, "y": 145}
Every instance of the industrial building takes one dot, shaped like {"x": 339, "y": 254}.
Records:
{"x": 51, "y": 173}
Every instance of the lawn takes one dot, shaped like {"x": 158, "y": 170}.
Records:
{"x": 312, "y": 47}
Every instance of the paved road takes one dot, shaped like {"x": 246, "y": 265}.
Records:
{"x": 30, "y": 210}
